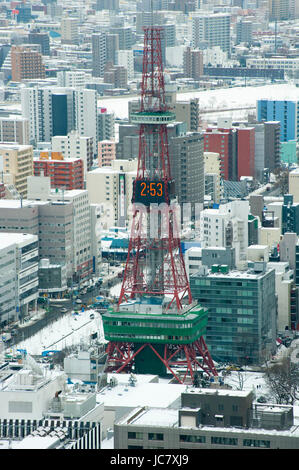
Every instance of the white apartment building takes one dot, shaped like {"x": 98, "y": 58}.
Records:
{"x": 86, "y": 115}
{"x": 75, "y": 108}
{"x": 18, "y": 274}
{"x": 112, "y": 187}
{"x": 125, "y": 58}
{"x": 74, "y": 145}
{"x": 72, "y": 78}
{"x": 213, "y": 29}
{"x": 226, "y": 226}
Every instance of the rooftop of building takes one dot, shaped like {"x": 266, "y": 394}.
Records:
{"x": 7, "y": 239}
{"x": 233, "y": 274}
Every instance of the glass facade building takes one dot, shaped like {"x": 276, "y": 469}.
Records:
{"x": 241, "y": 313}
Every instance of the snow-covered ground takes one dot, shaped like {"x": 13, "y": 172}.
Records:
{"x": 69, "y": 330}
{"x": 221, "y": 98}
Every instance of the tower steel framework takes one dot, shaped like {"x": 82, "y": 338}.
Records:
{"x": 155, "y": 267}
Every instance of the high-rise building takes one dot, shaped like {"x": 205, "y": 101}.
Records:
{"x": 18, "y": 275}
{"x": 125, "y": 35}
{"x": 212, "y": 29}
{"x": 106, "y": 125}
{"x": 246, "y": 151}
{"x": 226, "y": 226}
{"x": 26, "y": 64}
{"x": 279, "y": 10}
{"x": 37, "y": 37}
{"x": 241, "y": 327}
{"x": 286, "y": 112}
{"x": 17, "y": 165}
{"x": 99, "y": 54}
{"x": 69, "y": 30}
{"x": 57, "y": 111}
{"x": 187, "y": 169}
{"x": 224, "y": 142}
{"x": 193, "y": 63}
{"x": 244, "y": 31}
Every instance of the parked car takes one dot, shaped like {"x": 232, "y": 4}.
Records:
{"x": 78, "y": 301}
{"x": 63, "y": 310}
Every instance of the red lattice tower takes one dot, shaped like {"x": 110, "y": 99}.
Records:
{"x": 155, "y": 264}
{"x": 155, "y": 267}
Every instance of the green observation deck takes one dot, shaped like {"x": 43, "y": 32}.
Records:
{"x": 165, "y": 328}
{"x": 147, "y": 117}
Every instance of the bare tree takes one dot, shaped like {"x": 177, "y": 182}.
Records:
{"x": 283, "y": 381}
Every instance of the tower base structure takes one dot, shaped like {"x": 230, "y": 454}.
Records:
{"x": 144, "y": 342}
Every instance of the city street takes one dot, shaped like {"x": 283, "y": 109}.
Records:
{"x": 54, "y": 312}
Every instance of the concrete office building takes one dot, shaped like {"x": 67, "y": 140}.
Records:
{"x": 288, "y": 64}
{"x": 19, "y": 281}
{"x": 187, "y": 169}
{"x": 14, "y": 129}
{"x": 242, "y": 312}
{"x": 17, "y": 162}
{"x": 52, "y": 279}
{"x": 209, "y": 419}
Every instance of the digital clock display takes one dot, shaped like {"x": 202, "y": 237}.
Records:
{"x": 150, "y": 192}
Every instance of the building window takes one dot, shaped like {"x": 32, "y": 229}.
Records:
{"x": 229, "y": 441}
{"x": 256, "y": 443}
{"x": 190, "y": 438}
{"x": 135, "y": 435}
{"x": 153, "y": 436}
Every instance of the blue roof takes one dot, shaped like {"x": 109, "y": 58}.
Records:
{"x": 186, "y": 245}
